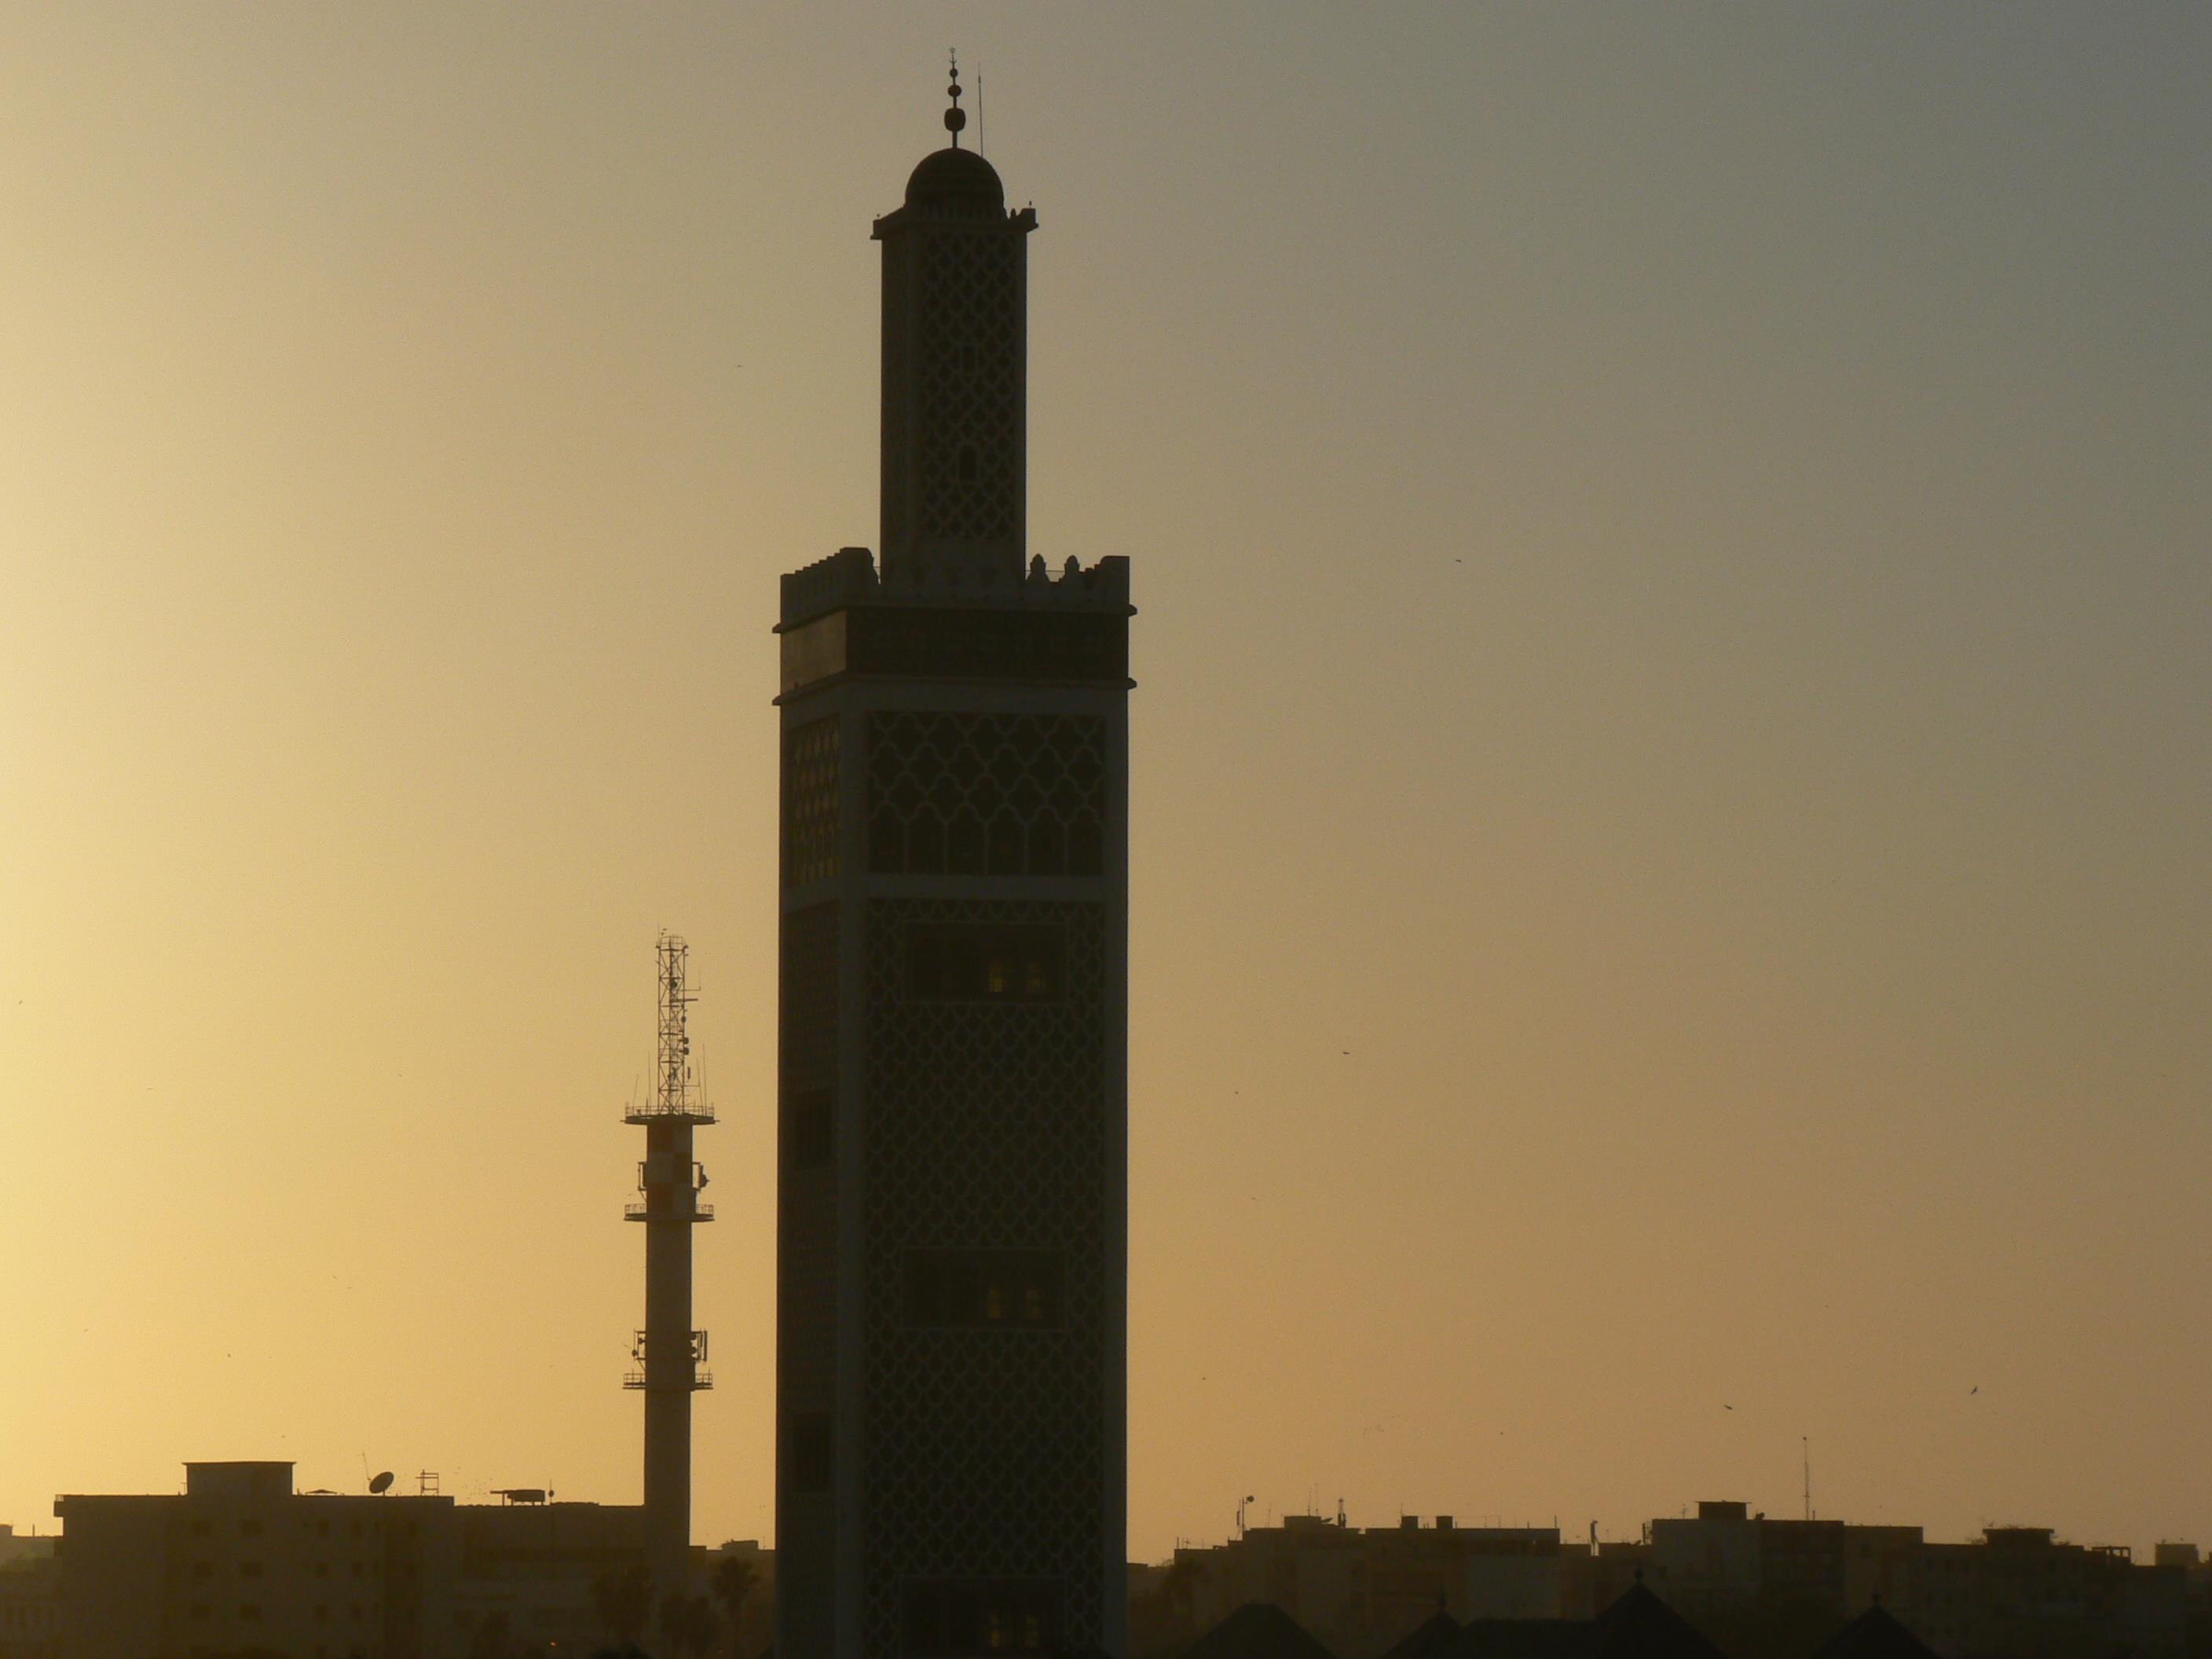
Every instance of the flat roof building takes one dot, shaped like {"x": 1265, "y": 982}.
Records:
{"x": 240, "y": 1561}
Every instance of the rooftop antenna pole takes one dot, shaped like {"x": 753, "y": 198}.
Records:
{"x": 1807, "y": 1443}
{"x": 979, "y": 106}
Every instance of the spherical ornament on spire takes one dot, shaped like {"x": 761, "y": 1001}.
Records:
{"x": 953, "y": 181}
{"x": 956, "y": 118}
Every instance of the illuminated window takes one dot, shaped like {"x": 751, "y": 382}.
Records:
{"x": 983, "y": 1289}
{"x": 984, "y": 962}
{"x": 958, "y": 1621}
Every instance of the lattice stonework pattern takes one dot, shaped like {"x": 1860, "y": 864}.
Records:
{"x": 987, "y": 1130}
{"x": 970, "y": 386}
{"x": 809, "y": 802}
{"x": 807, "y": 1061}
{"x": 806, "y": 1250}
{"x": 986, "y": 794}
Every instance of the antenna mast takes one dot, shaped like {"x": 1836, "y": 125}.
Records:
{"x": 1807, "y": 1442}
{"x": 676, "y": 1093}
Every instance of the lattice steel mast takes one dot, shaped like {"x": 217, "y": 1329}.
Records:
{"x": 668, "y": 1357}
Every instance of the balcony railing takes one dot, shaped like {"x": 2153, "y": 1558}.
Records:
{"x": 698, "y": 1112}
{"x": 702, "y": 1378}
{"x": 639, "y": 1209}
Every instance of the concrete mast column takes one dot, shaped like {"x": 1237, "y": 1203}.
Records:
{"x": 670, "y": 1366}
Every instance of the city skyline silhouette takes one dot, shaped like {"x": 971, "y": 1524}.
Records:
{"x": 1668, "y": 891}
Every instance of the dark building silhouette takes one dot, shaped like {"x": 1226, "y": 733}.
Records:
{"x": 1360, "y": 1589}
{"x": 1639, "y": 1626}
{"x": 1636, "y": 1625}
{"x": 952, "y": 1114}
{"x": 240, "y": 1563}
{"x": 30, "y": 1596}
{"x": 1436, "y": 1636}
{"x": 1258, "y": 1630}
{"x": 1750, "y": 1586}
{"x": 1874, "y": 1634}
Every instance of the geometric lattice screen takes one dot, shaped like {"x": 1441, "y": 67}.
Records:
{"x": 970, "y": 389}
{"x": 810, "y": 803}
{"x": 985, "y": 794}
{"x": 985, "y": 1131}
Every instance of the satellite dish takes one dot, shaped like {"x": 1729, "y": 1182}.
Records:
{"x": 382, "y": 1484}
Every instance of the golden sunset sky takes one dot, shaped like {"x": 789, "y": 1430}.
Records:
{"x": 1672, "y": 761}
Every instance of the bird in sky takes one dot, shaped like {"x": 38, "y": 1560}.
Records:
{"x": 1726, "y": 1406}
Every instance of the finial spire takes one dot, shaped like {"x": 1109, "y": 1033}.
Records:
{"x": 956, "y": 118}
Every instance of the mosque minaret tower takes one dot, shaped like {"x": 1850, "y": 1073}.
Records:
{"x": 952, "y": 1196}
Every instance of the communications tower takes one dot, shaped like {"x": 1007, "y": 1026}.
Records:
{"x": 668, "y": 1359}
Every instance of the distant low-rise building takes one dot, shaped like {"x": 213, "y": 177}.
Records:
{"x": 240, "y": 1562}
{"x": 30, "y": 1605}
{"x": 1715, "y": 1561}
{"x": 20, "y": 1549}
{"x": 1360, "y": 1589}
{"x": 2016, "y": 1593}
{"x": 1756, "y": 1588}
{"x": 1593, "y": 1575}
{"x": 2022, "y": 1594}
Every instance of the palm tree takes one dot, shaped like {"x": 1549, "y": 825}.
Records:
{"x": 732, "y": 1584}
{"x": 700, "y": 1627}
{"x": 688, "y": 1623}
{"x": 625, "y": 1601}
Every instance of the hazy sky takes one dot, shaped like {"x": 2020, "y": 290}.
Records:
{"x": 1673, "y": 758}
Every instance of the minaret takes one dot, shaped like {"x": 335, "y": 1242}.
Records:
{"x": 668, "y": 1354}
{"x": 952, "y": 1189}
{"x": 955, "y": 370}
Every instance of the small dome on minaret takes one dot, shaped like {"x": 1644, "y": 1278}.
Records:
{"x": 956, "y": 181}
{"x": 953, "y": 180}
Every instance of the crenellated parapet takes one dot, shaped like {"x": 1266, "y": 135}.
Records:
{"x": 849, "y": 579}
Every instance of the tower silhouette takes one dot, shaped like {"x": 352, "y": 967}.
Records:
{"x": 668, "y": 1357}
{"x": 953, "y": 1064}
